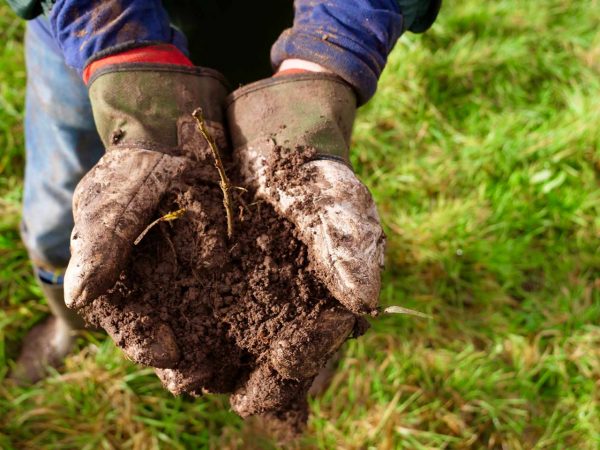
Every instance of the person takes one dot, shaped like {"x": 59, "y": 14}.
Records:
{"x": 109, "y": 84}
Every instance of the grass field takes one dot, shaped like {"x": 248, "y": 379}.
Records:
{"x": 482, "y": 148}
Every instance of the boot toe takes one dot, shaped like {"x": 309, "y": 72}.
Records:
{"x": 46, "y": 345}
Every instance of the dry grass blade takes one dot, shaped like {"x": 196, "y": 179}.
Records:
{"x": 166, "y": 218}
{"x": 409, "y": 312}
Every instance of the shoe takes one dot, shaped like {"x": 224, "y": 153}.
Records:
{"x": 48, "y": 343}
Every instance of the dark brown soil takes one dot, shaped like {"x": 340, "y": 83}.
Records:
{"x": 248, "y": 315}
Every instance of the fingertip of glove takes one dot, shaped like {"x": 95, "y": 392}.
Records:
{"x": 355, "y": 283}
{"x": 159, "y": 348}
{"x": 88, "y": 277}
{"x": 74, "y": 297}
{"x": 301, "y": 355}
{"x": 78, "y": 290}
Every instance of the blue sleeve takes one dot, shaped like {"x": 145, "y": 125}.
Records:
{"x": 88, "y": 29}
{"x": 352, "y": 38}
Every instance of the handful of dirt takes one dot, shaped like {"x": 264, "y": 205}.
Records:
{"x": 245, "y": 315}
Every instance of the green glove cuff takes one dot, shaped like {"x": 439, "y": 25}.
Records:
{"x": 302, "y": 110}
{"x": 140, "y": 104}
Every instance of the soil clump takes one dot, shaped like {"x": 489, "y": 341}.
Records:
{"x": 246, "y": 315}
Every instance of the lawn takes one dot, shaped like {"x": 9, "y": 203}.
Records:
{"x": 482, "y": 149}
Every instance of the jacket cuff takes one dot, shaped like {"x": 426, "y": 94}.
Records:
{"x": 86, "y": 29}
{"x": 335, "y": 55}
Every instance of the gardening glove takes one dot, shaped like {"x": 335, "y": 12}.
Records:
{"x": 274, "y": 119}
{"x": 143, "y": 115}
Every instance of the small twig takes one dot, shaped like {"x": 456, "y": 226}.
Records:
{"x": 166, "y": 218}
{"x": 224, "y": 183}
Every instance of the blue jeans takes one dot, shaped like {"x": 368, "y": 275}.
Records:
{"x": 61, "y": 145}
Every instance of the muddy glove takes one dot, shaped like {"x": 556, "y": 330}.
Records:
{"x": 333, "y": 211}
{"x": 140, "y": 111}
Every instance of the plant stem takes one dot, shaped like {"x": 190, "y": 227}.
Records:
{"x": 224, "y": 183}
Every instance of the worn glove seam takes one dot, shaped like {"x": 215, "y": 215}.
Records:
{"x": 333, "y": 158}
{"x": 145, "y": 145}
{"x": 283, "y": 79}
{"x": 150, "y": 172}
{"x": 154, "y": 67}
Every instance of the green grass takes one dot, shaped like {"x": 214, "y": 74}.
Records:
{"x": 482, "y": 148}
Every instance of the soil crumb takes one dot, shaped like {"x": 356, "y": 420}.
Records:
{"x": 246, "y": 316}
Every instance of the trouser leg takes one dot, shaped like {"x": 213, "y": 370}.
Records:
{"x": 55, "y": 296}
{"x": 61, "y": 145}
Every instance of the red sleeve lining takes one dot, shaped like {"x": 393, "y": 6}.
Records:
{"x": 161, "y": 54}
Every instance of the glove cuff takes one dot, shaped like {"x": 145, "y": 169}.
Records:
{"x": 298, "y": 110}
{"x": 142, "y": 103}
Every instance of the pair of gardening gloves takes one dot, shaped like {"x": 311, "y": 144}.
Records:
{"x": 140, "y": 111}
